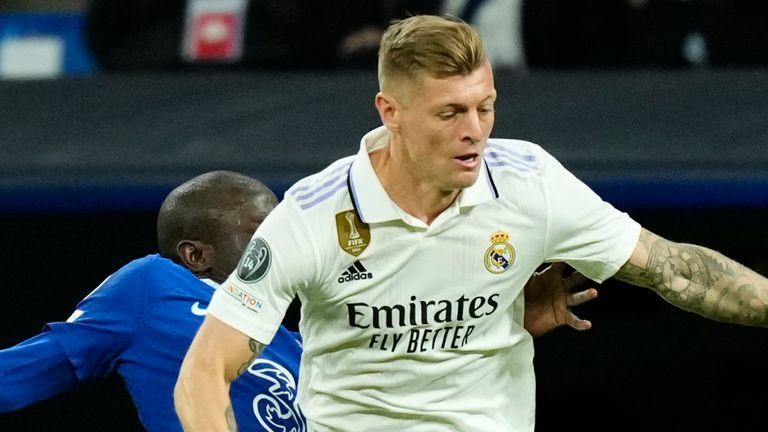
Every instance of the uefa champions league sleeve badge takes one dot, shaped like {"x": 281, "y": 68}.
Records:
{"x": 500, "y": 255}
{"x": 255, "y": 262}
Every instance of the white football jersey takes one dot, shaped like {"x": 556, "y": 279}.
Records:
{"x": 416, "y": 327}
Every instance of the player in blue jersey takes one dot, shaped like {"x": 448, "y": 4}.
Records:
{"x": 140, "y": 321}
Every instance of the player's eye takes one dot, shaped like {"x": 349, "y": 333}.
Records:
{"x": 486, "y": 110}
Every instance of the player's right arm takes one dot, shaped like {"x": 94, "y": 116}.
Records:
{"x": 243, "y": 316}
{"x": 84, "y": 347}
{"x": 218, "y": 354}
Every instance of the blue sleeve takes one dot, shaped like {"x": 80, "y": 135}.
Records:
{"x": 34, "y": 370}
{"x": 103, "y": 325}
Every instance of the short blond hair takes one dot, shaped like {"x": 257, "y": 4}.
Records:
{"x": 439, "y": 46}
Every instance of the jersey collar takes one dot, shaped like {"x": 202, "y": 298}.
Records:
{"x": 371, "y": 201}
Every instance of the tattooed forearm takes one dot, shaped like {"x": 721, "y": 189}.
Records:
{"x": 700, "y": 280}
{"x": 678, "y": 268}
{"x": 256, "y": 349}
{"x": 230, "y": 415}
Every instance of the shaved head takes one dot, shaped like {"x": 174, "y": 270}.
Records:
{"x": 209, "y": 208}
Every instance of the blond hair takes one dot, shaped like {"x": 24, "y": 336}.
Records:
{"x": 439, "y": 46}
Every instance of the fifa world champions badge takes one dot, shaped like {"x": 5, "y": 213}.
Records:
{"x": 354, "y": 235}
{"x": 500, "y": 255}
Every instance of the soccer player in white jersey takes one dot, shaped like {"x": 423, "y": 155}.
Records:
{"x": 410, "y": 259}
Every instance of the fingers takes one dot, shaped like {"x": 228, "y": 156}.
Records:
{"x": 579, "y": 324}
{"x": 581, "y": 297}
{"x": 576, "y": 299}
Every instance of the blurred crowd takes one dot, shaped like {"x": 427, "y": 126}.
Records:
{"x": 521, "y": 34}
{"x": 666, "y": 33}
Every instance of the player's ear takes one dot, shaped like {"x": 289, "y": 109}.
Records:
{"x": 196, "y": 255}
{"x": 388, "y": 110}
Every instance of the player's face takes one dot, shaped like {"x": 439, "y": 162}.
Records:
{"x": 445, "y": 125}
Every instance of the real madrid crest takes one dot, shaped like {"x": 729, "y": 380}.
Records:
{"x": 354, "y": 235}
{"x": 500, "y": 255}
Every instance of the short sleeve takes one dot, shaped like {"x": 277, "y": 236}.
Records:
{"x": 278, "y": 260}
{"x": 583, "y": 230}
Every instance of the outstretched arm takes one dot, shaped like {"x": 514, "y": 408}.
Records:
{"x": 698, "y": 280}
{"x": 548, "y": 300}
{"x": 218, "y": 354}
{"x": 34, "y": 370}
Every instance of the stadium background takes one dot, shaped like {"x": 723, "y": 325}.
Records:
{"x": 86, "y": 160}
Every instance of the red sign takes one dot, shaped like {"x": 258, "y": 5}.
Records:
{"x": 214, "y": 36}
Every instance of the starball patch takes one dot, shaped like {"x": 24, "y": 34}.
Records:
{"x": 255, "y": 262}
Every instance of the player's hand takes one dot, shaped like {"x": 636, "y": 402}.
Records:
{"x": 548, "y": 300}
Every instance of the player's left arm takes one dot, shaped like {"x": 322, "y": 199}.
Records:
{"x": 698, "y": 280}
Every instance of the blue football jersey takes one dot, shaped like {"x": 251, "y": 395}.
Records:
{"x": 140, "y": 322}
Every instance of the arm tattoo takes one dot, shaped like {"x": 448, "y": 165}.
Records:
{"x": 256, "y": 349}
{"x": 700, "y": 280}
{"x": 230, "y": 415}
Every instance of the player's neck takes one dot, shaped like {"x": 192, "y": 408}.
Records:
{"x": 414, "y": 195}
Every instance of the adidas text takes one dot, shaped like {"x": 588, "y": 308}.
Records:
{"x": 356, "y": 276}
{"x": 356, "y": 271}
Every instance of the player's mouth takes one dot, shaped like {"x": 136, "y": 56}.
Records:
{"x": 469, "y": 160}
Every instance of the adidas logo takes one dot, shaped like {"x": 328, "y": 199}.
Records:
{"x": 355, "y": 272}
